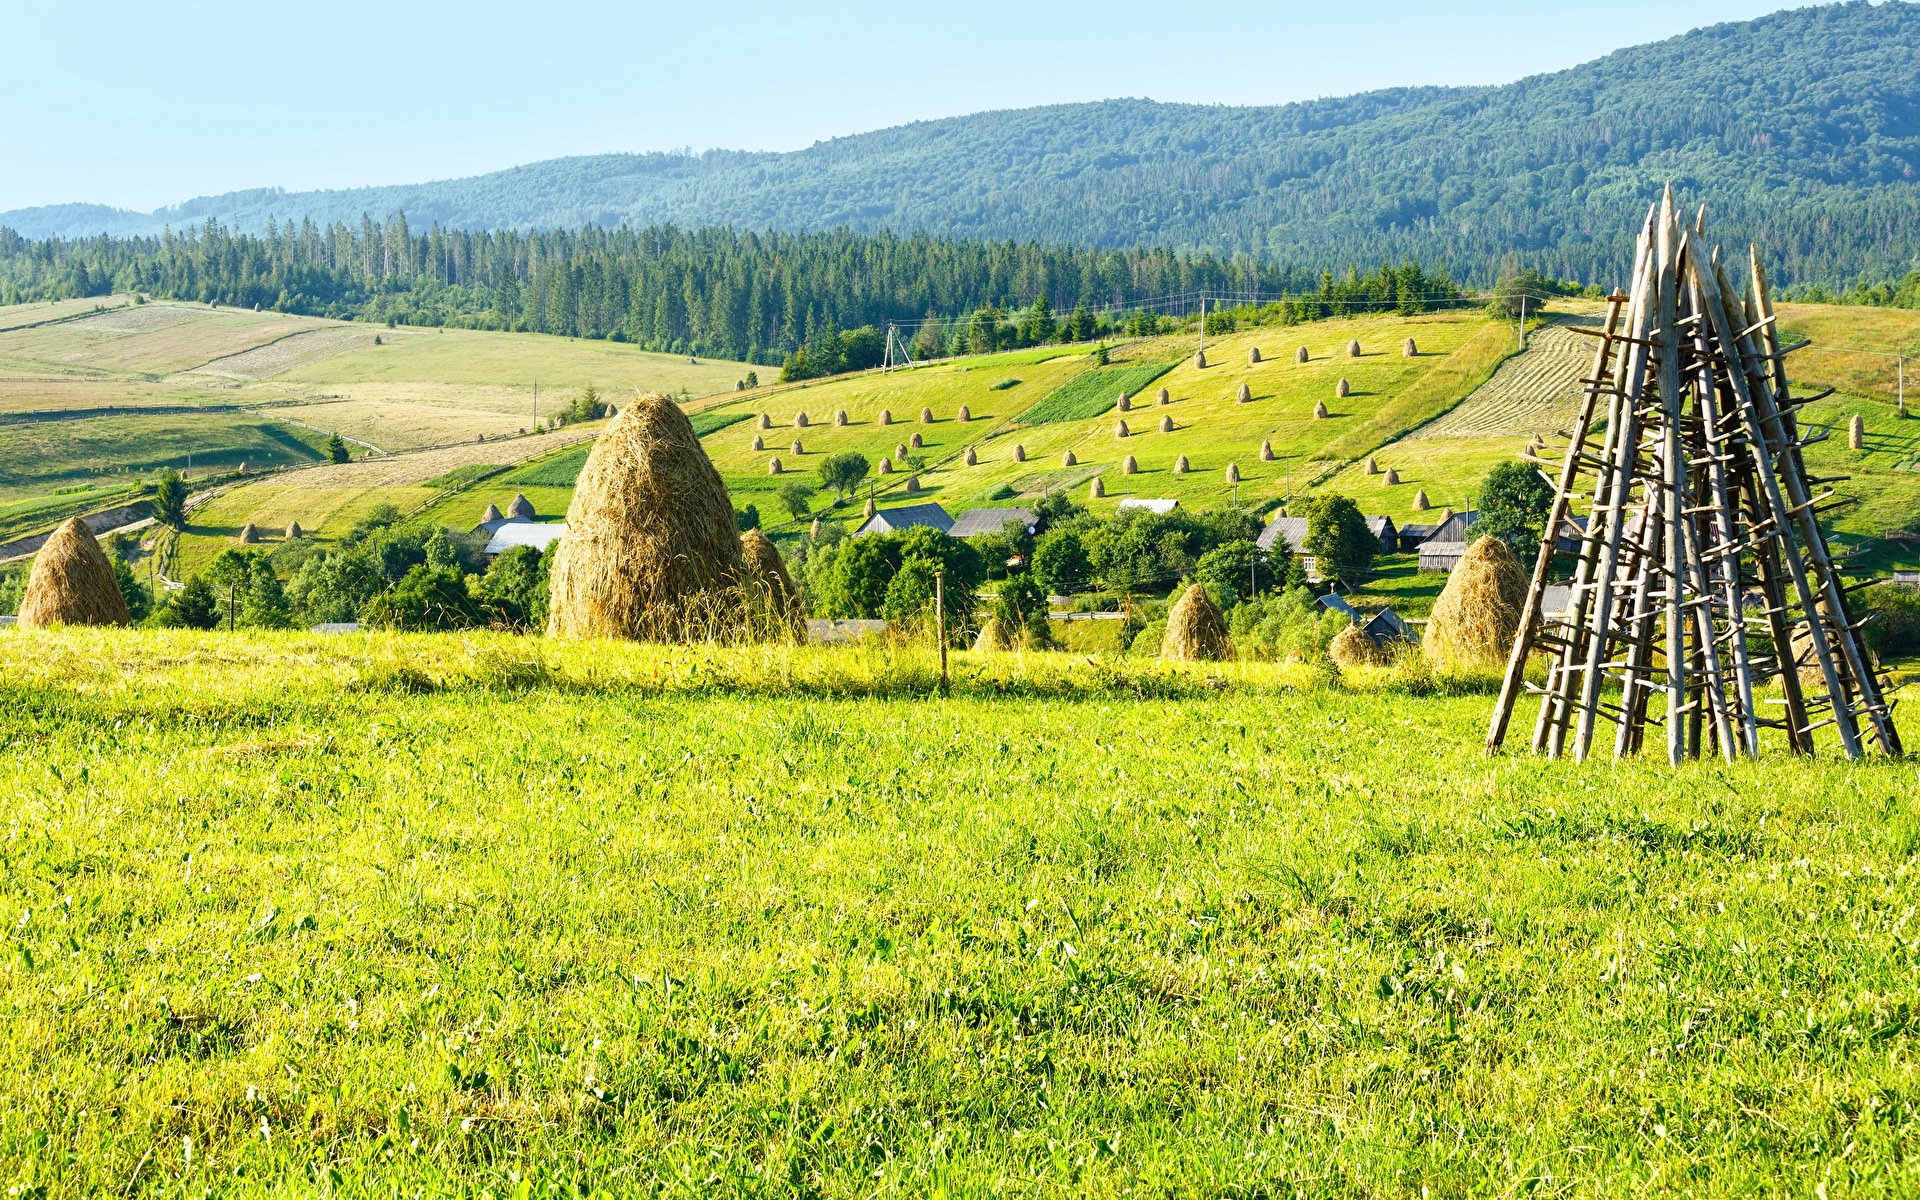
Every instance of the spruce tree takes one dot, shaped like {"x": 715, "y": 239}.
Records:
{"x": 336, "y": 450}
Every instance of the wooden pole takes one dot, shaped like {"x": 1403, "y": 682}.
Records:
{"x": 940, "y": 622}
{"x": 231, "y": 589}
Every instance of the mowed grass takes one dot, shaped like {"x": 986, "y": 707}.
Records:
{"x": 640, "y": 920}
{"x": 40, "y": 456}
{"x": 561, "y": 366}
{"x": 325, "y": 515}
{"x": 147, "y": 341}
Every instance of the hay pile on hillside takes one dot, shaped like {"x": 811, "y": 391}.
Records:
{"x": 800, "y": 420}
{"x": 1372, "y": 467}
{"x": 652, "y": 551}
{"x": 964, "y": 415}
{"x": 1199, "y": 359}
{"x": 72, "y": 583}
{"x": 1180, "y": 466}
{"x": 1162, "y": 397}
{"x": 1266, "y": 451}
{"x": 1253, "y": 356}
{"x": 1353, "y": 348}
{"x": 521, "y": 507}
{"x": 1301, "y": 355}
{"x": 926, "y": 416}
{"x": 1409, "y": 350}
{"x": 1128, "y": 466}
{"x": 886, "y": 466}
{"x": 773, "y": 466}
{"x": 1352, "y": 648}
{"x": 869, "y": 510}
{"x": 913, "y": 485}
{"x": 1342, "y": 389}
{"x": 764, "y": 422}
{"x": 1856, "y": 433}
{"x": 1099, "y": 490}
{"x": 1319, "y": 409}
{"x": 294, "y": 530}
{"x": 1478, "y": 612}
{"x": 813, "y": 534}
{"x": 993, "y": 637}
{"x": 1244, "y": 395}
{"x": 970, "y": 458}
{"x": 915, "y": 442}
{"x": 249, "y": 536}
{"x": 885, "y": 417}
{"x": 1120, "y": 429}
{"x": 1391, "y": 479}
{"x": 1019, "y": 452}
{"x": 770, "y": 588}
{"x": 840, "y": 419}
{"x": 759, "y": 443}
{"x": 1196, "y": 632}
{"x": 1233, "y": 472}
{"x": 492, "y": 513}
{"x": 1068, "y": 460}
{"x": 1126, "y": 403}
{"x": 1166, "y": 424}
{"x": 1420, "y": 502}
{"x": 798, "y": 450}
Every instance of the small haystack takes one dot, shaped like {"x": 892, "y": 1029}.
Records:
{"x": 522, "y": 507}
{"x": 970, "y": 458}
{"x": 993, "y": 637}
{"x": 1353, "y": 348}
{"x": 1409, "y": 350}
{"x": 1301, "y": 355}
{"x": 800, "y": 420}
{"x": 1478, "y": 612}
{"x": 813, "y": 534}
{"x": 886, "y": 466}
{"x": 869, "y": 510}
{"x": 1390, "y": 479}
{"x": 249, "y": 536}
{"x": 1420, "y": 502}
{"x": 915, "y": 441}
{"x": 764, "y": 422}
{"x": 652, "y": 548}
{"x": 1266, "y": 451}
{"x": 242, "y": 469}
{"x": 900, "y": 452}
{"x": 840, "y": 419}
{"x": 1180, "y": 466}
{"x": 1128, "y": 466}
{"x": 1342, "y": 389}
{"x": 1446, "y": 514}
{"x": 964, "y": 415}
{"x": 773, "y": 466}
{"x": 767, "y": 575}
{"x": 1126, "y": 404}
{"x": 1199, "y": 359}
{"x": 1120, "y": 429}
{"x": 1371, "y": 467}
{"x": 1166, "y": 424}
{"x": 492, "y": 513}
{"x": 759, "y": 443}
{"x": 913, "y": 485}
{"x": 1068, "y": 460}
{"x": 1196, "y": 632}
{"x": 1856, "y": 433}
{"x": 1319, "y": 409}
{"x": 1019, "y": 452}
{"x": 72, "y": 583}
{"x": 885, "y": 417}
{"x": 926, "y": 416}
{"x": 294, "y": 531}
{"x": 1162, "y": 397}
{"x": 1352, "y": 648}
{"x": 1253, "y": 356}
{"x": 1099, "y": 490}
{"x": 1233, "y": 472}
{"x": 798, "y": 450}
{"x": 1244, "y": 395}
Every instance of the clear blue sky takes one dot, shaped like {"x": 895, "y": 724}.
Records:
{"x": 140, "y": 105}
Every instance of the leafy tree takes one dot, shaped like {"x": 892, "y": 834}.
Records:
{"x": 191, "y": 607}
{"x": 380, "y": 516}
{"x": 1060, "y": 562}
{"x": 1337, "y": 535}
{"x": 517, "y": 579}
{"x": 908, "y": 601}
{"x": 843, "y": 472}
{"x": 1237, "y": 570}
{"x": 1528, "y": 286}
{"x": 137, "y": 595}
{"x": 337, "y": 450}
{"x": 1513, "y": 505}
{"x": 427, "y": 598}
{"x": 1897, "y": 631}
{"x": 797, "y": 499}
{"x": 1021, "y": 607}
{"x": 170, "y": 499}
{"x": 747, "y": 518}
{"x": 439, "y": 550}
{"x": 266, "y": 601}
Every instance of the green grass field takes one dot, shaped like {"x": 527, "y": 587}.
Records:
{"x": 467, "y": 915}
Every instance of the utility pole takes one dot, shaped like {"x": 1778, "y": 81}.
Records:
{"x": 1523, "y": 320}
{"x": 1203, "y": 326}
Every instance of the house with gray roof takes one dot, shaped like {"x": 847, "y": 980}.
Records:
{"x": 893, "y": 520}
{"x": 990, "y": 520}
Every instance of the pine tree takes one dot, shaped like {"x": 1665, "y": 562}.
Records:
{"x": 337, "y": 450}
{"x": 266, "y": 602}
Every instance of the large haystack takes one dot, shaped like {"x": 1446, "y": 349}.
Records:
{"x": 1856, "y": 433}
{"x": 773, "y": 466}
{"x": 1162, "y": 397}
{"x": 813, "y": 534}
{"x": 915, "y": 442}
{"x": 1166, "y": 423}
{"x": 652, "y": 551}
{"x": 1120, "y": 429}
{"x": 764, "y": 422}
{"x": 1409, "y": 350}
{"x": 1342, "y": 389}
{"x": 993, "y": 637}
{"x": 1319, "y": 409}
{"x": 1266, "y": 451}
{"x": 72, "y": 583}
{"x": 1244, "y": 395}
{"x": 1098, "y": 491}
{"x": 926, "y": 416}
{"x": 1126, "y": 403}
{"x": 913, "y": 485}
{"x": 800, "y": 419}
{"x": 249, "y": 536}
{"x": 840, "y": 419}
{"x": 759, "y": 443}
{"x": 1372, "y": 467}
{"x": 1301, "y": 355}
{"x": 1200, "y": 359}
{"x": 1180, "y": 466}
{"x": 771, "y": 588}
{"x": 1352, "y": 648}
{"x": 1253, "y": 356}
{"x": 1478, "y": 612}
{"x": 798, "y": 450}
{"x": 1196, "y": 632}
{"x": 970, "y": 458}
{"x": 1019, "y": 452}
{"x": 1068, "y": 460}
{"x": 1420, "y": 503}
{"x": 1391, "y": 478}
{"x": 886, "y": 466}
{"x": 885, "y": 417}
{"x": 492, "y": 514}
{"x": 1128, "y": 466}
{"x": 294, "y": 530}
{"x": 869, "y": 510}
{"x": 1233, "y": 472}
{"x": 1353, "y": 348}
{"x": 522, "y": 507}
{"x": 964, "y": 415}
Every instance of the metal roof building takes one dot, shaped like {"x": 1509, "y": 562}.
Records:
{"x": 523, "y": 533}
{"x": 989, "y": 520}
{"x": 893, "y": 520}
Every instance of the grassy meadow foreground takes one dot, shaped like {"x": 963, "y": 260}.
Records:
{"x": 438, "y": 914}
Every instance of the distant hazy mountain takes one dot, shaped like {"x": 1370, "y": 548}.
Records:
{"x": 1801, "y": 129}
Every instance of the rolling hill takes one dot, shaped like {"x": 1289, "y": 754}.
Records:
{"x": 1801, "y": 129}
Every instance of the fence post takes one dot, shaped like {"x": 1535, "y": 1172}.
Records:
{"x": 940, "y": 622}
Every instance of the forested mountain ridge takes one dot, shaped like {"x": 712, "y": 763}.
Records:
{"x": 1801, "y": 129}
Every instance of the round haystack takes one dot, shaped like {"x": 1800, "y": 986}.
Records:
{"x": 1353, "y": 348}
{"x": 1409, "y": 350}
{"x": 765, "y": 422}
{"x": 72, "y": 583}
{"x": 1352, "y": 648}
{"x": 1244, "y": 395}
{"x": 1126, "y": 405}
{"x": 800, "y": 420}
{"x": 869, "y": 510}
{"x": 242, "y": 469}
{"x": 1180, "y": 466}
{"x": 1166, "y": 424}
{"x": 798, "y": 450}
{"x": 1019, "y": 453}
{"x": 1068, "y": 460}
{"x": 1120, "y": 429}
{"x": 1301, "y": 355}
{"x": 900, "y": 452}
{"x": 993, "y": 637}
{"x": 1128, "y": 466}
{"x": 915, "y": 441}
{"x": 1099, "y": 490}
{"x": 1266, "y": 451}
{"x": 913, "y": 485}
{"x": 1253, "y": 356}
{"x": 885, "y": 417}
{"x": 964, "y": 415}
{"x": 522, "y": 507}
{"x": 1372, "y": 467}
{"x": 1856, "y": 433}
{"x": 773, "y": 466}
{"x": 294, "y": 530}
{"x": 840, "y": 419}
{"x": 1233, "y": 472}
{"x": 1199, "y": 359}
{"x": 1196, "y": 632}
{"x": 652, "y": 547}
{"x": 1420, "y": 502}
{"x": 492, "y": 514}
{"x": 926, "y": 416}
{"x": 970, "y": 458}
{"x": 249, "y": 536}
{"x": 1319, "y": 409}
{"x": 1391, "y": 478}
{"x": 759, "y": 443}
{"x": 768, "y": 575}
{"x": 1446, "y": 514}
{"x": 1342, "y": 389}
{"x": 1478, "y": 612}
{"x": 813, "y": 534}
{"x": 1162, "y": 397}
{"x": 886, "y": 466}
